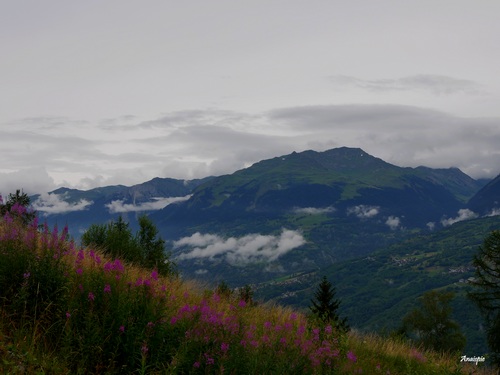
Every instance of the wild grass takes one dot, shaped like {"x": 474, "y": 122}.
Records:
{"x": 69, "y": 310}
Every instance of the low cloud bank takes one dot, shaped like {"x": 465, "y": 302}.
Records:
{"x": 51, "y": 203}
{"x": 363, "y": 211}
{"x": 463, "y": 214}
{"x": 313, "y": 210}
{"x": 251, "y": 248}
{"x": 494, "y": 212}
{"x": 119, "y": 206}
{"x": 393, "y": 222}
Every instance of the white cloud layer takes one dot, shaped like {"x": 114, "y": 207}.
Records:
{"x": 463, "y": 214}
{"x": 314, "y": 210}
{"x": 393, "y": 222}
{"x": 251, "y": 248}
{"x": 494, "y": 212}
{"x": 50, "y": 203}
{"x": 363, "y": 211}
{"x": 118, "y": 206}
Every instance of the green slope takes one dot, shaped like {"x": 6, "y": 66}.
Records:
{"x": 379, "y": 289}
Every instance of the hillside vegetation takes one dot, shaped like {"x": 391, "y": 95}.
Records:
{"x": 379, "y": 289}
{"x": 69, "y": 310}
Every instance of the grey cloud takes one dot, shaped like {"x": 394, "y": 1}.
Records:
{"x": 119, "y": 206}
{"x": 403, "y": 135}
{"x": 32, "y": 180}
{"x": 366, "y": 117}
{"x": 195, "y": 144}
{"x": 434, "y": 84}
{"x": 239, "y": 251}
{"x": 50, "y": 203}
{"x": 463, "y": 214}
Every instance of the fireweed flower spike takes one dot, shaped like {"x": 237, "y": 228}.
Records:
{"x": 351, "y": 357}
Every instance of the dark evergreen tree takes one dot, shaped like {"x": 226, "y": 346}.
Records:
{"x": 223, "y": 289}
{"x": 486, "y": 293}
{"x": 245, "y": 293}
{"x": 145, "y": 248}
{"x": 152, "y": 247}
{"x": 431, "y": 324}
{"x": 18, "y": 205}
{"x": 325, "y": 307}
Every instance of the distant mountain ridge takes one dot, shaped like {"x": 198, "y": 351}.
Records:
{"x": 341, "y": 177}
{"x": 332, "y": 205}
{"x": 82, "y": 208}
{"x": 344, "y": 202}
{"x": 487, "y": 200}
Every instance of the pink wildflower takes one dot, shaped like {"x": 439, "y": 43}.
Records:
{"x": 107, "y": 288}
{"x": 351, "y": 357}
{"x": 154, "y": 275}
{"x": 91, "y": 296}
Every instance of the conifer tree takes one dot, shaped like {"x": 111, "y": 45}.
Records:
{"x": 18, "y": 204}
{"x": 325, "y": 306}
{"x": 486, "y": 293}
{"x": 146, "y": 248}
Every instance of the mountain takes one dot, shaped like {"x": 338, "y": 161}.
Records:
{"x": 342, "y": 202}
{"x": 344, "y": 177}
{"x": 82, "y": 208}
{"x": 487, "y": 200}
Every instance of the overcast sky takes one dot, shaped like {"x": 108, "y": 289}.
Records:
{"x": 107, "y": 92}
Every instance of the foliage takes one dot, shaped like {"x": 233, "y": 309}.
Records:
{"x": 18, "y": 205}
{"x": 378, "y": 290}
{"x": 325, "y": 306}
{"x": 101, "y": 315}
{"x": 486, "y": 293}
{"x": 246, "y": 294}
{"x": 432, "y": 325}
{"x": 146, "y": 248}
{"x": 223, "y": 289}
